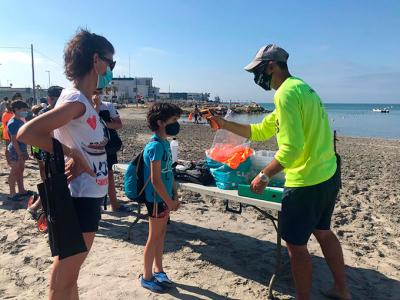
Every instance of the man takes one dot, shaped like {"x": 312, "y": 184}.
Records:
{"x": 53, "y": 93}
{"x": 306, "y": 154}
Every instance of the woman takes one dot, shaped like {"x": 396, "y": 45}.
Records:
{"x": 88, "y": 60}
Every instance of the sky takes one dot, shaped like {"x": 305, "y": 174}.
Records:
{"x": 348, "y": 51}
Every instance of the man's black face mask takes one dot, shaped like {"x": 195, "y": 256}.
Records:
{"x": 261, "y": 78}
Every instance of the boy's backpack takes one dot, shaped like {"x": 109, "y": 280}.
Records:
{"x": 134, "y": 182}
{"x": 196, "y": 172}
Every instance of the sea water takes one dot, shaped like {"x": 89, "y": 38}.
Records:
{"x": 356, "y": 120}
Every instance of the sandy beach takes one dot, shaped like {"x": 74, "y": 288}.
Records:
{"x": 209, "y": 253}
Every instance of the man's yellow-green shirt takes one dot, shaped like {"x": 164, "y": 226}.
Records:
{"x": 305, "y": 139}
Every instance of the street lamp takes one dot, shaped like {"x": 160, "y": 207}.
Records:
{"x": 49, "y": 77}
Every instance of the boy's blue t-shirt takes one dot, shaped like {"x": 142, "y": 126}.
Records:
{"x": 12, "y": 127}
{"x": 153, "y": 151}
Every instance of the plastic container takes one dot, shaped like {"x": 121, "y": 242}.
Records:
{"x": 270, "y": 194}
{"x": 260, "y": 159}
{"x": 174, "y": 150}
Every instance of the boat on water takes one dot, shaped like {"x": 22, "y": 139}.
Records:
{"x": 381, "y": 110}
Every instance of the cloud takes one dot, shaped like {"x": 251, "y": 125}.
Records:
{"x": 324, "y": 47}
{"x": 17, "y": 57}
{"x": 153, "y": 50}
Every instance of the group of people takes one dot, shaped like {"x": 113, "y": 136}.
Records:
{"x": 79, "y": 122}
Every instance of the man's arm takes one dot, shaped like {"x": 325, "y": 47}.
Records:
{"x": 255, "y": 132}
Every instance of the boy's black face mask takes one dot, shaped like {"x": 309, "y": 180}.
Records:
{"x": 172, "y": 129}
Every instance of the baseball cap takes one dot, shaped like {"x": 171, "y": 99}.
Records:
{"x": 54, "y": 91}
{"x": 267, "y": 53}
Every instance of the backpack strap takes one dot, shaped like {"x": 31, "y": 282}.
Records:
{"x": 164, "y": 158}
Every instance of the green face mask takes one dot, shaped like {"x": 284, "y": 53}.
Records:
{"x": 104, "y": 80}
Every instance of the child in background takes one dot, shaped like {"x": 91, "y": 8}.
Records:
{"x": 17, "y": 151}
{"x": 161, "y": 192}
{"x": 7, "y": 116}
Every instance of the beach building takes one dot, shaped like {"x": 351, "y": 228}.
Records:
{"x": 26, "y": 92}
{"x": 185, "y": 96}
{"x": 129, "y": 89}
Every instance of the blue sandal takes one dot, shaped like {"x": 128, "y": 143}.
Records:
{"x": 152, "y": 285}
{"x": 162, "y": 278}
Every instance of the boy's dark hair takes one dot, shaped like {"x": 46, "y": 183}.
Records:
{"x": 161, "y": 111}
{"x": 79, "y": 51}
{"x": 18, "y": 104}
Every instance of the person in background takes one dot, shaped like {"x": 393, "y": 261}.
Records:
{"x": 53, "y": 93}
{"x": 5, "y": 118}
{"x": 18, "y": 153}
{"x": 3, "y": 106}
{"x": 196, "y": 114}
{"x": 88, "y": 64}
{"x": 111, "y": 118}
{"x": 16, "y": 96}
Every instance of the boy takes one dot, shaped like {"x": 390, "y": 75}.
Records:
{"x": 17, "y": 150}
{"x": 161, "y": 192}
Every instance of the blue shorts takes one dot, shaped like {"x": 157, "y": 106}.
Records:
{"x": 14, "y": 156}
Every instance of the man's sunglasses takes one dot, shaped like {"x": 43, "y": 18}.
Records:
{"x": 110, "y": 62}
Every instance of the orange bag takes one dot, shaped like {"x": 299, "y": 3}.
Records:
{"x": 190, "y": 118}
{"x": 230, "y": 155}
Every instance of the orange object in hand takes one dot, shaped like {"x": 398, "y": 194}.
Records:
{"x": 207, "y": 114}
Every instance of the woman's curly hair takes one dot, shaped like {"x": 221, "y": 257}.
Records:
{"x": 79, "y": 51}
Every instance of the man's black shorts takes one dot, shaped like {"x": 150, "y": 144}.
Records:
{"x": 305, "y": 209}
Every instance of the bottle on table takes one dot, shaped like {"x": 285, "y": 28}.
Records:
{"x": 174, "y": 150}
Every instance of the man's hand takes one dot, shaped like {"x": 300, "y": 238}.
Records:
{"x": 218, "y": 120}
{"x": 76, "y": 166}
{"x": 257, "y": 185}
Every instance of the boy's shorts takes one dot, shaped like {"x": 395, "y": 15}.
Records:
{"x": 305, "y": 209}
{"x": 14, "y": 156}
{"x": 156, "y": 210}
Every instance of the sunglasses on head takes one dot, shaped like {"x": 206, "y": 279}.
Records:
{"x": 111, "y": 63}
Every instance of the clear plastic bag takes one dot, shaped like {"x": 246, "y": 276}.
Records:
{"x": 229, "y": 148}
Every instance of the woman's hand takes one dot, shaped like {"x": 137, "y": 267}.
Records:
{"x": 77, "y": 165}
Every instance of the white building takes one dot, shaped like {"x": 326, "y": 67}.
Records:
{"x": 128, "y": 89}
